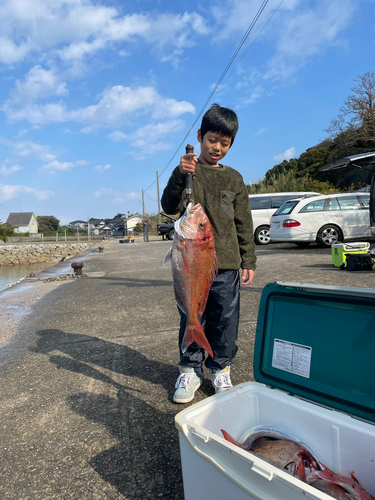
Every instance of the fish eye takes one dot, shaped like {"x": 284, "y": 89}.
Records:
{"x": 201, "y": 225}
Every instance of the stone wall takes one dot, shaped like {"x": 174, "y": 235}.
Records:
{"x": 11, "y": 255}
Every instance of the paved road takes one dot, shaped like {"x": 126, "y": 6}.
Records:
{"x": 86, "y": 407}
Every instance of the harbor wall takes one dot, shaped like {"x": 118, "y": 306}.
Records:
{"x": 18, "y": 255}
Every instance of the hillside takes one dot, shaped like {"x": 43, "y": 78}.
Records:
{"x": 351, "y": 133}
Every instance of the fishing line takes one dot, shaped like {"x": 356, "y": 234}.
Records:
{"x": 239, "y": 46}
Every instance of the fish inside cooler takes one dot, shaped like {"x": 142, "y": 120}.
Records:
{"x": 342, "y": 443}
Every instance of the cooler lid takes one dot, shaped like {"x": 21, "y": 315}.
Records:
{"x": 318, "y": 342}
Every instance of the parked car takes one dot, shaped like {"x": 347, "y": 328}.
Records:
{"x": 166, "y": 228}
{"x": 263, "y": 206}
{"x": 325, "y": 219}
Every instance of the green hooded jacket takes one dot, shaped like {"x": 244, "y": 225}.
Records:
{"x": 222, "y": 193}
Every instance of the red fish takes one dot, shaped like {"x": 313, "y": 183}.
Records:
{"x": 194, "y": 267}
{"x": 335, "y": 490}
{"x": 287, "y": 455}
{"x": 350, "y": 484}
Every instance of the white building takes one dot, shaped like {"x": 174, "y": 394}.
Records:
{"x": 23, "y": 222}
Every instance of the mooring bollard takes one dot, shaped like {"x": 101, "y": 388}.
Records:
{"x": 101, "y": 249}
{"x": 77, "y": 266}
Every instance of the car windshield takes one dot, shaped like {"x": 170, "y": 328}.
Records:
{"x": 286, "y": 208}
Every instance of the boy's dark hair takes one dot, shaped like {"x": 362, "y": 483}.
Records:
{"x": 219, "y": 119}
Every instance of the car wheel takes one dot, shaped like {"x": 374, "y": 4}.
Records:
{"x": 328, "y": 235}
{"x": 171, "y": 234}
{"x": 302, "y": 244}
{"x": 262, "y": 235}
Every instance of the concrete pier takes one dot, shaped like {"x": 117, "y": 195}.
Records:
{"x": 87, "y": 376}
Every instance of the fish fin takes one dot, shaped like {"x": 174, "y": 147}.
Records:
{"x": 354, "y": 477}
{"x": 179, "y": 303}
{"x": 195, "y": 333}
{"x": 213, "y": 275}
{"x": 215, "y": 267}
{"x": 167, "y": 258}
{"x": 300, "y": 472}
{"x": 231, "y": 439}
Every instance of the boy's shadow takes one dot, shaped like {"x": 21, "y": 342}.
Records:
{"x": 83, "y": 349}
{"x": 146, "y": 459}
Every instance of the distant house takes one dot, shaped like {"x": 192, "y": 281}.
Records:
{"x": 125, "y": 225}
{"x": 131, "y": 222}
{"x": 81, "y": 225}
{"x": 23, "y": 222}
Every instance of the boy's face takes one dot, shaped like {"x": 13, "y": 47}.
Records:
{"x": 214, "y": 146}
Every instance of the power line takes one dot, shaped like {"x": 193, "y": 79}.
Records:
{"x": 256, "y": 38}
{"x": 239, "y": 46}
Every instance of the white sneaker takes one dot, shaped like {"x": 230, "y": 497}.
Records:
{"x": 187, "y": 383}
{"x": 220, "y": 379}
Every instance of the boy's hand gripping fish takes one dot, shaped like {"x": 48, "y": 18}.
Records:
{"x": 194, "y": 267}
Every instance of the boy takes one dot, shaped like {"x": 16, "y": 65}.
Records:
{"x": 222, "y": 193}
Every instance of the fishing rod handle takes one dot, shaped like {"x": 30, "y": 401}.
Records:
{"x": 189, "y": 177}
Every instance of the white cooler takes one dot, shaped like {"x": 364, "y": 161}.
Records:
{"x": 314, "y": 370}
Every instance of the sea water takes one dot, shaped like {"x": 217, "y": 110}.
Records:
{"x": 11, "y": 274}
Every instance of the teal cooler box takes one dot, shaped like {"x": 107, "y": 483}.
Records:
{"x": 340, "y": 251}
{"x": 314, "y": 369}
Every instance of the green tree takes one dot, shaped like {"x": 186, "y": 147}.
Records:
{"x": 48, "y": 223}
{"x": 6, "y": 230}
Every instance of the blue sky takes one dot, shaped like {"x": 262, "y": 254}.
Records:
{"x": 96, "y": 97}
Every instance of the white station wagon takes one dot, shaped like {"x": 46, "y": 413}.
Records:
{"x": 264, "y": 205}
{"x": 325, "y": 219}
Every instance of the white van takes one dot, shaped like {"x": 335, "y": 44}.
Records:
{"x": 264, "y": 205}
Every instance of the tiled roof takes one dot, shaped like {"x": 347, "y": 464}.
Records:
{"x": 19, "y": 218}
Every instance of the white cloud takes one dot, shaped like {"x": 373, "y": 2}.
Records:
{"x": 307, "y": 32}
{"x": 100, "y": 168}
{"x": 254, "y": 95}
{"x": 36, "y": 113}
{"x": 106, "y": 192}
{"x": 21, "y": 133}
{"x": 5, "y": 171}
{"x": 81, "y": 28}
{"x": 117, "y": 136}
{"x": 115, "y": 104}
{"x": 286, "y": 155}
{"x": 56, "y": 165}
{"x": 260, "y": 131}
{"x": 117, "y": 201}
{"x": 29, "y": 148}
{"x": 7, "y": 192}
{"x": 38, "y": 83}
{"x": 149, "y": 138}
{"x": 132, "y": 196}
{"x": 115, "y": 194}
{"x": 233, "y": 17}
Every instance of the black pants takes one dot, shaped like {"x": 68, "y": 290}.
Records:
{"x": 220, "y": 324}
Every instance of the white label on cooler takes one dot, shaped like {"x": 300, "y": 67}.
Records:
{"x": 291, "y": 357}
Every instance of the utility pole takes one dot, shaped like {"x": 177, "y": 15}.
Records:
{"x": 157, "y": 182}
{"x": 145, "y": 227}
{"x": 143, "y": 204}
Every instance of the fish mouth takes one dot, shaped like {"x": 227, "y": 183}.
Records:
{"x": 193, "y": 208}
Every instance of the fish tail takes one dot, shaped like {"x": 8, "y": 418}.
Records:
{"x": 231, "y": 439}
{"x": 195, "y": 333}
